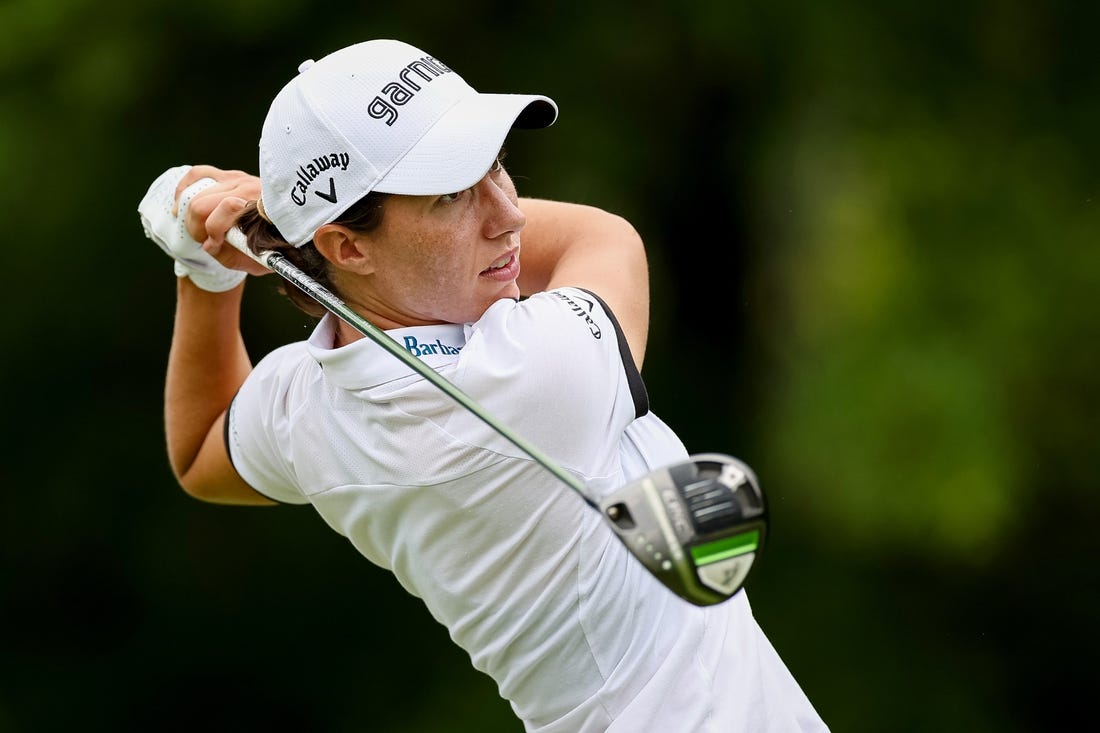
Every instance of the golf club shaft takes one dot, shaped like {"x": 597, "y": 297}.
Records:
{"x": 290, "y": 272}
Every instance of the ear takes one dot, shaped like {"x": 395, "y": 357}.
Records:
{"x": 345, "y": 249}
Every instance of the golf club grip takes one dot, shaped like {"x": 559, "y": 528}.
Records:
{"x": 239, "y": 241}
{"x": 290, "y": 272}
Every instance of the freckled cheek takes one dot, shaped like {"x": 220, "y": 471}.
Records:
{"x": 443, "y": 279}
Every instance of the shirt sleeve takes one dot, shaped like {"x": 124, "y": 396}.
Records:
{"x": 557, "y": 369}
{"x": 257, "y": 423}
{"x": 638, "y": 393}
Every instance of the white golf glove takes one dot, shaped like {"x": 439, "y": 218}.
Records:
{"x": 171, "y": 235}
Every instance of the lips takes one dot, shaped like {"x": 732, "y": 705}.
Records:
{"x": 505, "y": 268}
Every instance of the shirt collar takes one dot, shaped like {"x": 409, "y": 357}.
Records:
{"x": 363, "y": 363}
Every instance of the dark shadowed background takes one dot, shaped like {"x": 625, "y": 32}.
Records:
{"x": 872, "y": 230}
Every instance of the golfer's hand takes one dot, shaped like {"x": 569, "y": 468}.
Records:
{"x": 215, "y": 210}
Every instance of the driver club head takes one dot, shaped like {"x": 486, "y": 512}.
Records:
{"x": 697, "y": 525}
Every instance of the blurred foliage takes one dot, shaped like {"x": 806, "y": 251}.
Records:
{"x": 933, "y": 248}
{"x": 871, "y": 229}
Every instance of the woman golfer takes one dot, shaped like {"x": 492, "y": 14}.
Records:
{"x": 380, "y": 175}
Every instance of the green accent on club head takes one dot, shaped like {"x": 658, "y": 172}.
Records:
{"x": 725, "y": 547}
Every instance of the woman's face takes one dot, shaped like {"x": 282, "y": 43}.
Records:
{"x": 444, "y": 259}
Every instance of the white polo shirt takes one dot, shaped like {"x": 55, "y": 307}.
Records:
{"x": 526, "y": 578}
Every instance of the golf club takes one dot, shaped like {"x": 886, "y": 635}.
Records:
{"x": 698, "y": 525}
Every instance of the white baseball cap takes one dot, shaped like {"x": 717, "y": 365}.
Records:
{"x": 379, "y": 116}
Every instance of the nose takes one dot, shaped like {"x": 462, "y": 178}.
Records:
{"x": 503, "y": 215}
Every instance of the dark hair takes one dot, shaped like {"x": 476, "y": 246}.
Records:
{"x": 362, "y": 217}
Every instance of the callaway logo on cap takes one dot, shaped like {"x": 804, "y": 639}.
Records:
{"x": 379, "y": 116}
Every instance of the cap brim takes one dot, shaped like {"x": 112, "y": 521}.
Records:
{"x": 458, "y": 149}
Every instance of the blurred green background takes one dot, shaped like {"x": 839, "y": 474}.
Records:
{"x": 872, "y": 229}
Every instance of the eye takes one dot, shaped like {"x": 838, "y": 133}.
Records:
{"x": 450, "y": 198}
